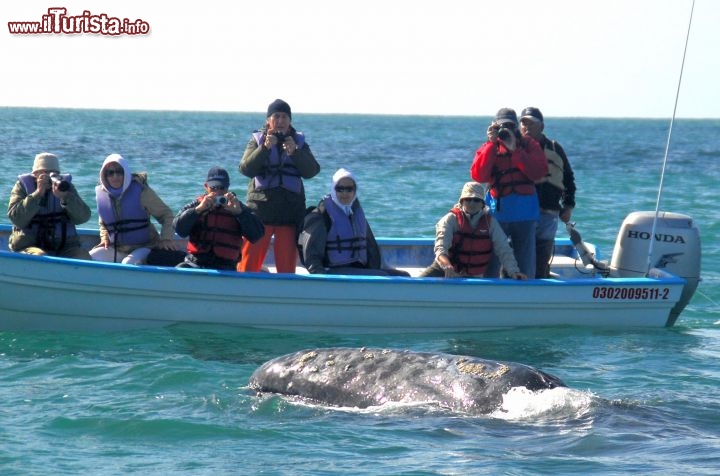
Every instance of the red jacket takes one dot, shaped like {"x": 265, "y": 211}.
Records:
{"x": 507, "y": 173}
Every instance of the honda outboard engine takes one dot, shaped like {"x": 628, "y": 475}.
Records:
{"x": 675, "y": 249}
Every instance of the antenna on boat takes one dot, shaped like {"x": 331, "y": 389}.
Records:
{"x": 667, "y": 144}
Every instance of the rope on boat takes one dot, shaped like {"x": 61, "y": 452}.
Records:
{"x": 667, "y": 144}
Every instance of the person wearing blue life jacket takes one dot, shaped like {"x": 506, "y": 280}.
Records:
{"x": 277, "y": 159}
{"x": 336, "y": 237}
{"x": 125, "y": 204}
{"x": 44, "y": 209}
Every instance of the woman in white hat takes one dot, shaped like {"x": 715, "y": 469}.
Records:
{"x": 125, "y": 204}
{"x": 336, "y": 236}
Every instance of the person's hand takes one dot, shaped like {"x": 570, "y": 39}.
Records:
{"x": 270, "y": 139}
{"x": 43, "y": 185}
{"x": 519, "y": 276}
{"x": 104, "y": 243}
{"x": 233, "y": 204}
{"x": 492, "y": 132}
{"x": 207, "y": 203}
{"x": 167, "y": 245}
{"x": 289, "y": 145}
{"x": 451, "y": 273}
{"x": 57, "y": 192}
{"x": 566, "y": 214}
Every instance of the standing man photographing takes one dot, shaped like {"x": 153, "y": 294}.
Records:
{"x": 510, "y": 164}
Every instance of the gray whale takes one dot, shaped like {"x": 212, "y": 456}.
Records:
{"x": 352, "y": 377}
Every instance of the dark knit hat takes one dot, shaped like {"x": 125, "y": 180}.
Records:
{"x": 506, "y": 114}
{"x": 218, "y": 176}
{"x": 279, "y": 105}
{"x": 532, "y": 113}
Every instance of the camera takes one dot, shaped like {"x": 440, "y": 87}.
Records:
{"x": 220, "y": 200}
{"x": 62, "y": 184}
{"x": 280, "y": 136}
{"x": 504, "y": 133}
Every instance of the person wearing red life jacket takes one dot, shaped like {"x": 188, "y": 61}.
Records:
{"x": 215, "y": 224}
{"x": 467, "y": 238}
{"x": 511, "y": 164}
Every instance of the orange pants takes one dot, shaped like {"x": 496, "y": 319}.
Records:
{"x": 284, "y": 247}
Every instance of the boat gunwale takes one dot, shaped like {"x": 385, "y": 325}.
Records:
{"x": 668, "y": 278}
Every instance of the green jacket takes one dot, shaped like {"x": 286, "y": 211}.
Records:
{"x": 23, "y": 207}
{"x": 277, "y": 206}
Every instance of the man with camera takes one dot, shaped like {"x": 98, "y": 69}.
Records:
{"x": 44, "y": 209}
{"x": 511, "y": 164}
{"x": 215, "y": 224}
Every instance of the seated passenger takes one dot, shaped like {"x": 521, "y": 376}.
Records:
{"x": 336, "y": 237}
{"x": 125, "y": 203}
{"x": 44, "y": 209}
{"x": 467, "y": 237}
{"x": 215, "y": 224}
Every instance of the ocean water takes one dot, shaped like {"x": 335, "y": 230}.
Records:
{"x": 175, "y": 401}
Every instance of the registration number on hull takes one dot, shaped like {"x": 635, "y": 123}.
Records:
{"x": 604, "y": 292}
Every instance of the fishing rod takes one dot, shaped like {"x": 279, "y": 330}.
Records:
{"x": 667, "y": 145}
{"x": 586, "y": 256}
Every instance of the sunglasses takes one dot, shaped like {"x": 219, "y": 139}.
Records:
{"x": 507, "y": 125}
{"x": 473, "y": 199}
{"x": 111, "y": 172}
{"x": 345, "y": 189}
{"x": 215, "y": 188}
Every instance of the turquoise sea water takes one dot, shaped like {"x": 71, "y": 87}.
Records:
{"x": 174, "y": 401}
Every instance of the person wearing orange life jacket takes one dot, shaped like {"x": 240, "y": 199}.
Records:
{"x": 215, "y": 224}
{"x": 511, "y": 164}
{"x": 44, "y": 209}
{"x": 556, "y": 191}
{"x": 467, "y": 237}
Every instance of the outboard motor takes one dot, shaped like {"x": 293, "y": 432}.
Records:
{"x": 676, "y": 249}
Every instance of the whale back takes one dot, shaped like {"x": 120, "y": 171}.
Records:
{"x": 351, "y": 377}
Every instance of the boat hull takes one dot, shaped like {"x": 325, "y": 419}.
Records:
{"x": 60, "y": 294}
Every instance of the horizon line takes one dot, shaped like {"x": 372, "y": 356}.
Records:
{"x": 215, "y": 111}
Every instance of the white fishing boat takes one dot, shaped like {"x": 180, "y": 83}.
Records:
{"x": 49, "y": 293}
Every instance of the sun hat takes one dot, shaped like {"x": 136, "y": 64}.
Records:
{"x": 46, "y": 161}
{"x": 473, "y": 190}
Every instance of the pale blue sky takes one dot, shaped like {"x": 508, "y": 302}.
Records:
{"x": 607, "y": 58}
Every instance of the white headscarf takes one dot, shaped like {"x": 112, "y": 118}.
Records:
{"x": 339, "y": 175}
{"x": 127, "y": 177}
